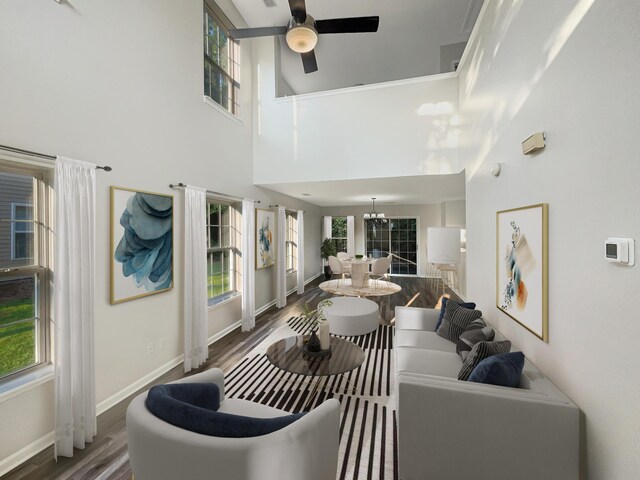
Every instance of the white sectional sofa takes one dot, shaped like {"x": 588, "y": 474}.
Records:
{"x": 450, "y": 429}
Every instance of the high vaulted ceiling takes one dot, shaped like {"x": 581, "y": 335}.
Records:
{"x": 406, "y": 45}
{"x": 414, "y": 190}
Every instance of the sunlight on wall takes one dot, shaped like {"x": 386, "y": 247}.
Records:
{"x": 444, "y": 136}
{"x": 504, "y": 109}
{"x": 258, "y": 96}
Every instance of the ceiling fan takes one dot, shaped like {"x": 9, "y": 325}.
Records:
{"x": 302, "y": 31}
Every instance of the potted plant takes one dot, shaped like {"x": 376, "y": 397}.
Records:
{"x": 327, "y": 249}
{"x": 316, "y": 319}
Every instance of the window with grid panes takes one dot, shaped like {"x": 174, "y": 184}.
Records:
{"x": 221, "y": 60}
{"x": 397, "y": 236}
{"x": 292, "y": 242}
{"x": 339, "y": 233}
{"x": 223, "y": 251}
{"x": 24, "y": 276}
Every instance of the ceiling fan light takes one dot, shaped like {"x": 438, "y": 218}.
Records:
{"x": 302, "y": 39}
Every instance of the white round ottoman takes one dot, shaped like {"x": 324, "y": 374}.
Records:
{"x": 352, "y": 316}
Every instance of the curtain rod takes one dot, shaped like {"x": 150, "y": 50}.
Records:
{"x": 231, "y": 197}
{"x": 285, "y": 208}
{"x": 106, "y": 168}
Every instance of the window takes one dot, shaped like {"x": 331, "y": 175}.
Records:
{"x": 339, "y": 233}
{"x": 221, "y": 60}
{"x": 24, "y": 329}
{"x": 21, "y": 231}
{"x": 397, "y": 236}
{"x": 292, "y": 242}
{"x": 223, "y": 251}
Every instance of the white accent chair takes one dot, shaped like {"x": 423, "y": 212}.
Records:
{"x": 307, "y": 448}
{"x": 343, "y": 257}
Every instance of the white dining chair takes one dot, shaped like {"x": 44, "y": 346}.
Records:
{"x": 343, "y": 257}
{"x": 337, "y": 267}
{"x": 379, "y": 268}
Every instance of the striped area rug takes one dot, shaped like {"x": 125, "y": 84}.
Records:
{"x": 368, "y": 440}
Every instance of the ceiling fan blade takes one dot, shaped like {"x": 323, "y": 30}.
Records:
{"x": 298, "y": 10}
{"x": 309, "y": 62}
{"x": 239, "y": 33}
{"x": 348, "y": 25}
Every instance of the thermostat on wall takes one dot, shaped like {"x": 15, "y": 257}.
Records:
{"x": 619, "y": 250}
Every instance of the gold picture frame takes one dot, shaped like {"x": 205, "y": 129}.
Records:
{"x": 522, "y": 244}
{"x": 265, "y": 233}
{"x": 141, "y": 244}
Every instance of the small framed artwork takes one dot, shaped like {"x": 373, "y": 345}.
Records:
{"x": 521, "y": 266}
{"x": 265, "y": 248}
{"x": 141, "y": 244}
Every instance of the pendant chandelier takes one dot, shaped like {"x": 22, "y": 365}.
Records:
{"x": 373, "y": 215}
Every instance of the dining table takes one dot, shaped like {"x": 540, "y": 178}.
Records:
{"x": 359, "y": 270}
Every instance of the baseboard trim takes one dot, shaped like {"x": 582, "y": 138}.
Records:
{"x": 117, "y": 397}
{"x": 217, "y": 336}
{"x": 25, "y": 453}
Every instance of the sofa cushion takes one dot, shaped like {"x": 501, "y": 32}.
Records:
{"x": 503, "y": 369}
{"x": 477, "y": 331}
{"x": 427, "y": 362}
{"x": 193, "y": 407}
{"x": 479, "y": 352}
{"x": 423, "y": 339}
{"x": 443, "y": 306}
{"x": 456, "y": 320}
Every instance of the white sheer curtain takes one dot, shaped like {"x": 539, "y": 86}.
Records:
{"x": 248, "y": 266}
{"x": 326, "y": 231}
{"x": 73, "y": 297}
{"x": 351, "y": 235}
{"x": 300, "y": 242}
{"x": 326, "y": 227}
{"x": 196, "y": 333}
{"x": 281, "y": 259}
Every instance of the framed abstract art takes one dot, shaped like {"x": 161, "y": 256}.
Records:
{"x": 521, "y": 266}
{"x": 141, "y": 244}
{"x": 265, "y": 247}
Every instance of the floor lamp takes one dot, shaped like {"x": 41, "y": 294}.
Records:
{"x": 443, "y": 249}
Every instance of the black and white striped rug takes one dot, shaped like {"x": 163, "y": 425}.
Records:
{"x": 368, "y": 440}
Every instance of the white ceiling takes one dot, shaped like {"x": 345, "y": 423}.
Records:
{"x": 416, "y": 190}
{"x": 406, "y": 45}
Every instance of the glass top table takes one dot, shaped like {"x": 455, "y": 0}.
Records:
{"x": 287, "y": 355}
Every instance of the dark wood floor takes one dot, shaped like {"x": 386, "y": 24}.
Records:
{"x": 104, "y": 459}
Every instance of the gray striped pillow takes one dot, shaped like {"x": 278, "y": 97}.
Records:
{"x": 456, "y": 320}
{"x": 479, "y": 352}
{"x": 477, "y": 331}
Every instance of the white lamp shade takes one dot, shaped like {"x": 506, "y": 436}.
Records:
{"x": 301, "y": 39}
{"x": 443, "y": 245}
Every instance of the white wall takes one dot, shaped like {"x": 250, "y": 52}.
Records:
{"x": 563, "y": 68}
{"x": 386, "y": 130}
{"x": 121, "y": 84}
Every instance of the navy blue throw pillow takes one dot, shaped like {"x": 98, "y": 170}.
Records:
{"x": 503, "y": 369}
{"x": 443, "y": 307}
{"x": 193, "y": 407}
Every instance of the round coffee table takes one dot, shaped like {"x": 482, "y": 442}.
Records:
{"x": 287, "y": 355}
{"x": 352, "y": 316}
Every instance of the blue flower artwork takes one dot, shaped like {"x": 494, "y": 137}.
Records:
{"x": 143, "y": 258}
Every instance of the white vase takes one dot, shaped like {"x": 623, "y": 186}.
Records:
{"x": 323, "y": 334}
